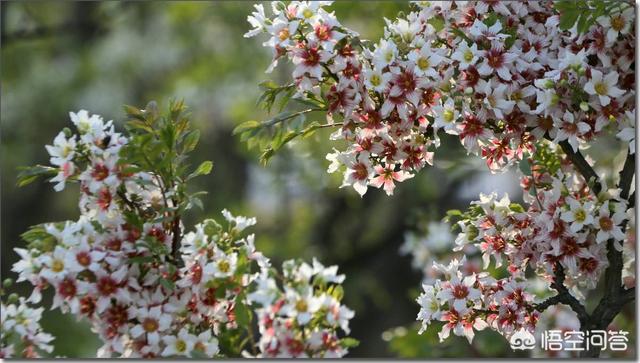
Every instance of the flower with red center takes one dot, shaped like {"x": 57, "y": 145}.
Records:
{"x": 107, "y": 285}
{"x": 497, "y": 60}
{"x": 100, "y": 172}
{"x": 570, "y": 129}
{"x": 462, "y": 325}
{"x": 151, "y": 322}
{"x": 87, "y": 305}
{"x": 460, "y": 293}
{"x": 359, "y": 170}
{"x": 609, "y": 224}
{"x": 341, "y": 98}
{"x": 308, "y": 60}
{"x": 104, "y": 199}
{"x": 473, "y": 129}
{"x": 470, "y": 77}
{"x": 117, "y": 315}
{"x": 67, "y": 288}
{"x": 295, "y": 347}
{"x": 386, "y": 176}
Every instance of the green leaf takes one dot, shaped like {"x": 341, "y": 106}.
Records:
{"x": 204, "y": 169}
{"x": 243, "y": 314}
{"x": 568, "y": 18}
{"x": 266, "y": 155}
{"x": 190, "y": 141}
{"x": 338, "y": 292}
{"x": 169, "y": 285}
{"x": 516, "y": 208}
{"x": 134, "y": 112}
{"x": 349, "y": 342}
{"x": 437, "y": 22}
{"x": 525, "y": 166}
{"x": 245, "y": 126}
{"x": 30, "y": 174}
{"x": 461, "y": 34}
{"x": 197, "y": 202}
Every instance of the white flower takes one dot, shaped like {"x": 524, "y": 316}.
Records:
{"x": 54, "y": 264}
{"x": 495, "y": 97}
{"x": 327, "y": 274}
{"x": 385, "y": 177}
{"x": 459, "y": 292}
{"x": 385, "y": 53}
{"x": 429, "y": 307}
{"x": 309, "y": 60}
{"x": 603, "y": 87}
{"x": 617, "y": 23}
{"x": 480, "y": 30}
{"x": 579, "y": 215}
{"x": 222, "y": 266}
{"x": 377, "y": 80}
{"x": 628, "y": 133}
{"x": 207, "y": 343}
{"x": 182, "y": 344}
{"x": 63, "y": 149}
{"x": 573, "y": 60}
{"x": 570, "y": 130}
{"x": 240, "y": 222}
{"x": 608, "y": 225}
{"x": 446, "y": 116}
{"x": 266, "y": 289}
{"x": 309, "y": 11}
{"x": 83, "y": 257}
{"x": 257, "y": 20}
{"x": 467, "y": 56}
{"x": 300, "y": 305}
{"x": 426, "y": 60}
{"x": 358, "y": 172}
{"x": 405, "y": 29}
{"x": 338, "y": 314}
{"x": 281, "y": 31}
{"x": 151, "y": 321}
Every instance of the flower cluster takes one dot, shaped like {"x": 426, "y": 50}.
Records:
{"x": 21, "y": 334}
{"x": 564, "y": 228}
{"x": 114, "y": 269}
{"x": 500, "y": 76}
{"x": 148, "y": 288}
{"x": 473, "y": 302}
{"x": 302, "y": 318}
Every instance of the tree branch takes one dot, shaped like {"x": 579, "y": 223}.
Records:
{"x": 564, "y": 297}
{"x": 628, "y": 295}
{"x": 626, "y": 176}
{"x": 583, "y": 167}
{"x": 615, "y": 295}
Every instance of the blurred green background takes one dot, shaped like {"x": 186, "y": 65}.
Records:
{"x": 61, "y": 57}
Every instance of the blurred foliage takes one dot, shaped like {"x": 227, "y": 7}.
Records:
{"x": 63, "y": 56}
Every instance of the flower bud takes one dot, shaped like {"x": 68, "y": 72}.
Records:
{"x": 7, "y": 283}
{"x": 584, "y": 106}
{"x": 13, "y": 298}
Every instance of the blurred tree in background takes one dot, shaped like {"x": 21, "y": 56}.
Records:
{"x": 61, "y": 57}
